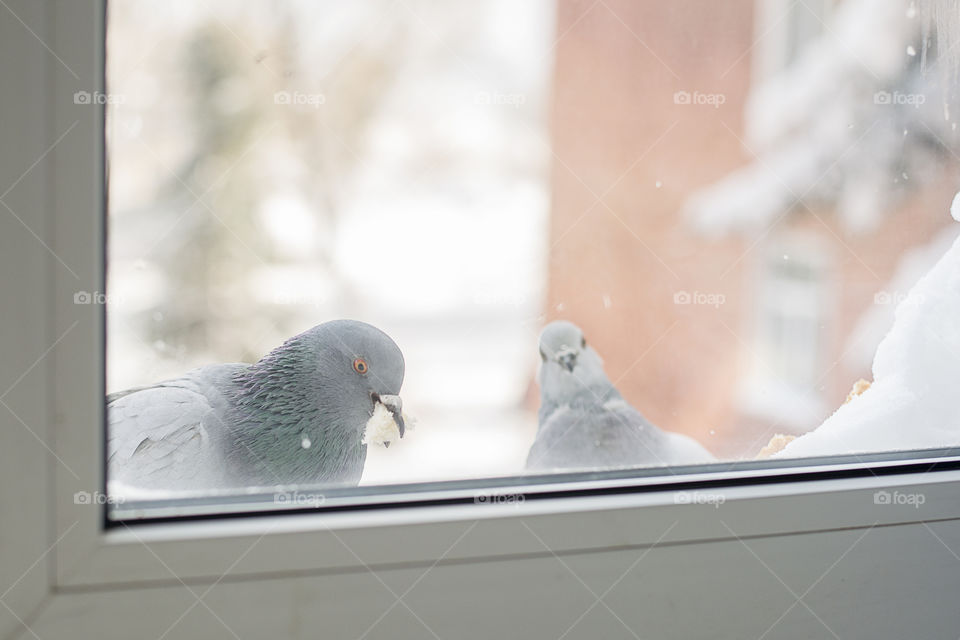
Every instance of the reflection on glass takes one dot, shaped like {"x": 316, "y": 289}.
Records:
{"x": 739, "y": 213}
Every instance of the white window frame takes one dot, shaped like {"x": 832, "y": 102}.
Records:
{"x": 69, "y": 576}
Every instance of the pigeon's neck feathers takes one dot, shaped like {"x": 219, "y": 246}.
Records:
{"x": 281, "y": 402}
{"x": 280, "y": 375}
{"x": 578, "y": 395}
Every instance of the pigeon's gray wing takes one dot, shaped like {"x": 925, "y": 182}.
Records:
{"x": 160, "y": 438}
{"x": 116, "y": 395}
{"x": 594, "y": 436}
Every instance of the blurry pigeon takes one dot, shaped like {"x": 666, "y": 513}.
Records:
{"x": 303, "y": 414}
{"x": 585, "y": 423}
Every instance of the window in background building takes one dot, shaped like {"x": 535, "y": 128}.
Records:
{"x": 793, "y": 314}
{"x": 784, "y": 28}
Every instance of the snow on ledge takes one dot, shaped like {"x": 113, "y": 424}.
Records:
{"x": 913, "y": 402}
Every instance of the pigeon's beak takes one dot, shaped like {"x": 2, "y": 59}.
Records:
{"x": 567, "y": 358}
{"x": 395, "y": 406}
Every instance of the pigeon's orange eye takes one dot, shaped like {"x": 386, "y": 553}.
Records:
{"x": 360, "y": 365}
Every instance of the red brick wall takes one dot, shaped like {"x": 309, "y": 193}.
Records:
{"x": 616, "y": 264}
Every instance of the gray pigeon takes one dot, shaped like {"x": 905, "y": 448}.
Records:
{"x": 584, "y": 421}
{"x": 302, "y": 414}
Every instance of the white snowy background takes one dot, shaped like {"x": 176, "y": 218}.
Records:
{"x": 412, "y": 194}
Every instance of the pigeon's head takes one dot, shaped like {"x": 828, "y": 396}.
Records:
{"x": 359, "y": 372}
{"x": 568, "y": 364}
{"x": 562, "y": 342}
{"x": 338, "y": 381}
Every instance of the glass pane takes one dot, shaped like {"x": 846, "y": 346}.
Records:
{"x": 381, "y": 243}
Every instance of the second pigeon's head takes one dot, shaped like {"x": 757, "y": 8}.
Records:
{"x": 568, "y": 365}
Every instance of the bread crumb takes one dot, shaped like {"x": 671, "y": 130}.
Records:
{"x": 859, "y": 387}
{"x": 381, "y": 428}
{"x": 776, "y": 444}
{"x": 779, "y": 441}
